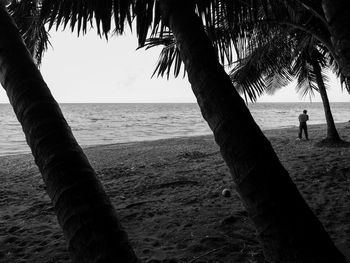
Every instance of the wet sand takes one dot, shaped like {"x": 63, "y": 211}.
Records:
{"x": 167, "y": 194}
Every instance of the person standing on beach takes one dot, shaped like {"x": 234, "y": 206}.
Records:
{"x": 303, "y": 118}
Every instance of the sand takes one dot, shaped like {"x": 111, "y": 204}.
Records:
{"x": 167, "y": 194}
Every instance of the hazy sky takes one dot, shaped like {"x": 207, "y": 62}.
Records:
{"x": 90, "y": 69}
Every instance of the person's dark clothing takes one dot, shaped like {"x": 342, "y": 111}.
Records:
{"x": 303, "y": 118}
{"x": 303, "y": 126}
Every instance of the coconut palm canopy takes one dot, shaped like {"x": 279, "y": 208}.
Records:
{"x": 261, "y": 70}
{"x": 230, "y": 25}
{"x": 111, "y": 16}
{"x": 293, "y": 28}
{"x": 226, "y": 21}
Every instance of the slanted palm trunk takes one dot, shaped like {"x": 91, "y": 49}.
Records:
{"x": 84, "y": 211}
{"x": 288, "y": 229}
{"x": 332, "y": 133}
{"x": 337, "y": 15}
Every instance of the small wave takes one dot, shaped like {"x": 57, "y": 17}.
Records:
{"x": 98, "y": 119}
{"x": 13, "y": 124}
{"x": 287, "y": 126}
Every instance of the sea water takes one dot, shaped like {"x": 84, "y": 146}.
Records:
{"x": 94, "y": 124}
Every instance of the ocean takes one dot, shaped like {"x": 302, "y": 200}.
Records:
{"x": 94, "y": 124}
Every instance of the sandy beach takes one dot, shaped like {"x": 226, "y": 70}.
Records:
{"x": 167, "y": 194}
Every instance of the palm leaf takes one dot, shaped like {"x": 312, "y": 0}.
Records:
{"x": 80, "y": 14}
{"x": 306, "y": 78}
{"x": 27, "y": 17}
{"x": 261, "y": 70}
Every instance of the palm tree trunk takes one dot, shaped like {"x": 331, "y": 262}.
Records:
{"x": 337, "y": 15}
{"x": 288, "y": 229}
{"x": 85, "y": 213}
{"x": 332, "y": 133}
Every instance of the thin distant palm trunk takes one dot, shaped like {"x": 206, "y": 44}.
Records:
{"x": 85, "y": 213}
{"x": 288, "y": 229}
{"x": 332, "y": 133}
{"x": 337, "y": 15}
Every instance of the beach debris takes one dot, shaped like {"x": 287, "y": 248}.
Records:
{"x": 226, "y": 193}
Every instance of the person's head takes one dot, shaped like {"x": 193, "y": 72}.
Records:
{"x": 304, "y": 111}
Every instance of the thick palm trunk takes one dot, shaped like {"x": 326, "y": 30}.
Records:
{"x": 337, "y": 15}
{"x": 332, "y": 133}
{"x": 288, "y": 229}
{"x": 84, "y": 211}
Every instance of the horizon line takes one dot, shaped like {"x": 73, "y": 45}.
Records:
{"x": 160, "y": 102}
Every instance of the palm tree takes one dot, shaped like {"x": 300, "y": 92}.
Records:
{"x": 84, "y": 211}
{"x": 290, "y": 232}
{"x": 316, "y": 62}
{"x": 299, "y": 56}
{"x": 271, "y": 198}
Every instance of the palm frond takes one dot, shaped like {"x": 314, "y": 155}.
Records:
{"x": 345, "y": 83}
{"x": 306, "y": 80}
{"x": 26, "y": 14}
{"x": 262, "y": 71}
{"x": 325, "y": 79}
{"x": 214, "y": 14}
{"x": 169, "y": 57}
{"x": 82, "y": 14}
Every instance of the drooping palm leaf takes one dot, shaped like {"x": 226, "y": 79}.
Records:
{"x": 306, "y": 79}
{"x": 27, "y": 17}
{"x": 169, "y": 57}
{"x": 272, "y": 61}
{"x": 262, "y": 70}
{"x": 79, "y": 14}
{"x": 149, "y": 23}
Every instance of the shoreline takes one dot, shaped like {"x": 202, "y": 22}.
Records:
{"x": 167, "y": 195}
{"x": 267, "y": 133}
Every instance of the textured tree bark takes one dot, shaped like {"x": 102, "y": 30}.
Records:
{"x": 332, "y": 133}
{"x": 337, "y": 15}
{"x": 84, "y": 211}
{"x": 287, "y": 227}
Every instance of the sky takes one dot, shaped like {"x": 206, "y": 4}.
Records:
{"x": 89, "y": 69}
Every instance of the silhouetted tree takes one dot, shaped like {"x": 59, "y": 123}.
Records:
{"x": 84, "y": 211}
